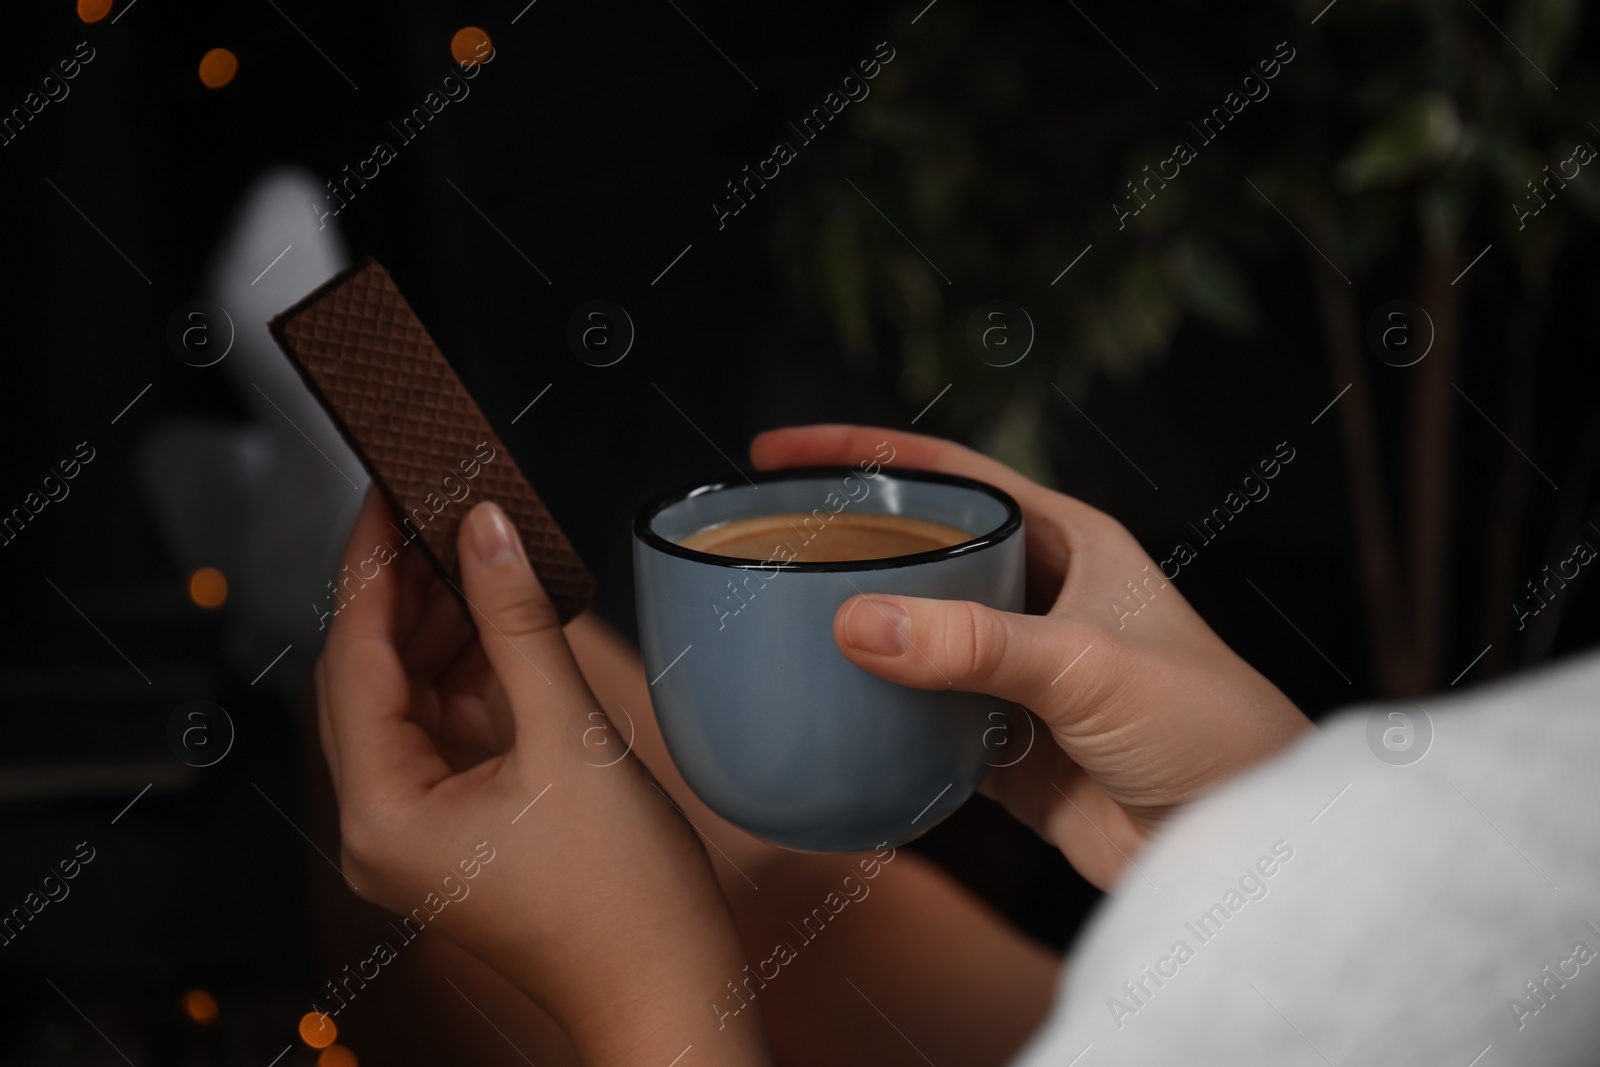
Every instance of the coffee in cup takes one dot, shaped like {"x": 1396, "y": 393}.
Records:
{"x": 848, "y": 537}
{"x": 737, "y": 584}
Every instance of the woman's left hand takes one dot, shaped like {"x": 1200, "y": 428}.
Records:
{"x": 461, "y": 803}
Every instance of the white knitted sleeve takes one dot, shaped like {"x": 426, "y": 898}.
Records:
{"x": 1337, "y": 906}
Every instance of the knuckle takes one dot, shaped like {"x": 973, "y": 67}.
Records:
{"x": 364, "y": 834}
{"x": 1111, "y": 527}
{"x": 1101, "y": 685}
{"x": 354, "y": 872}
{"x": 355, "y": 836}
{"x": 523, "y": 611}
{"x": 979, "y": 644}
{"x": 1095, "y": 531}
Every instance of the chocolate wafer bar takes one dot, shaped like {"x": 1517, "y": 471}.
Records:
{"x": 401, "y": 407}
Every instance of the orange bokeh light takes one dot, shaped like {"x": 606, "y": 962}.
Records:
{"x": 200, "y": 1006}
{"x": 470, "y": 45}
{"x": 208, "y": 588}
{"x": 217, "y": 68}
{"x": 317, "y": 1029}
{"x": 336, "y": 1056}
{"x": 93, "y": 10}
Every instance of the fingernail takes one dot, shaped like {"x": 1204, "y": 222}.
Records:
{"x": 880, "y": 626}
{"x": 493, "y": 537}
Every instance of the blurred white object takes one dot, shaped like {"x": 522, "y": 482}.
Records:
{"x": 1419, "y": 920}
{"x": 271, "y": 504}
{"x": 275, "y": 225}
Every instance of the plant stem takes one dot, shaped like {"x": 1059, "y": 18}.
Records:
{"x": 1430, "y": 474}
{"x": 1358, "y": 424}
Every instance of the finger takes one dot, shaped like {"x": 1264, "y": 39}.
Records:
{"x": 517, "y": 625}
{"x": 472, "y": 705}
{"x": 324, "y": 727}
{"x": 363, "y": 604}
{"x": 442, "y": 631}
{"x": 1064, "y": 805}
{"x": 1056, "y": 523}
{"x": 470, "y": 674}
{"x": 418, "y": 577}
{"x": 830, "y": 444}
{"x": 475, "y": 712}
{"x": 958, "y": 644}
{"x": 418, "y": 573}
{"x": 1027, "y": 787}
{"x": 368, "y": 694}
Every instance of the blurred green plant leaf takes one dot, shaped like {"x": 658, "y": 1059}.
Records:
{"x": 1017, "y": 438}
{"x": 839, "y": 270}
{"x": 1546, "y": 30}
{"x": 1437, "y": 130}
{"x": 1420, "y": 134}
{"x": 1211, "y": 287}
{"x": 1442, "y": 213}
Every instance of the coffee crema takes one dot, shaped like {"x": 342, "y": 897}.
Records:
{"x": 845, "y": 538}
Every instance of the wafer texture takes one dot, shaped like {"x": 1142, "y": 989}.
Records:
{"x": 402, "y": 409}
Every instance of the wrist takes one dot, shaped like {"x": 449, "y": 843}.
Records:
{"x": 660, "y": 1015}
{"x": 646, "y": 994}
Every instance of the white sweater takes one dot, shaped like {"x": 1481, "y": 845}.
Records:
{"x": 1445, "y": 912}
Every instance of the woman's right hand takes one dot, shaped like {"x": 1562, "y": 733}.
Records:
{"x": 1146, "y": 705}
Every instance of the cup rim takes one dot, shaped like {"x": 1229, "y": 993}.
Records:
{"x": 646, "y": 515}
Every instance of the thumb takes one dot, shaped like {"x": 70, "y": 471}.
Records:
{"x": 959, "y": 644}
{"x": 517, "y": 625}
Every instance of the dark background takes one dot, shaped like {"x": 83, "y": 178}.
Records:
{"x": 594, "y": 140}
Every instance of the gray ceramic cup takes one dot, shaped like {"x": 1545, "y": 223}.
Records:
{"x": 768, "y": 722}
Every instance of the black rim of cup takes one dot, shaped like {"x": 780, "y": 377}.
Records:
{"x": 647, "y": 514}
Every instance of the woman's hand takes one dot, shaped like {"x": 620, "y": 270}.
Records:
{"x": 1147, "y": 707}
{"x": 463, "y": 806}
